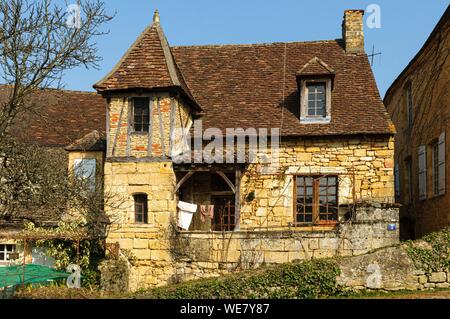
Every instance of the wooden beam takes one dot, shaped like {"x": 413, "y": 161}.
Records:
{"x": 150, "y": 129}
{"x": 172, "y": 124}
{"x": 161, "y": 129}
{"x": 108, "y": 147}
{"x": 130, "y": 111}
{"x": 227, "y": 180}
{"x": 183, "y": 180}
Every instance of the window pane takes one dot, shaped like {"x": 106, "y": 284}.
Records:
{"x": 141, "y": 111}
{"x": 316, "y": 99}
{"x": 140, "y": 208}
{"x": 2, "y": 257}
{"x": 85, "y": 169}
{"x": 332, "y": 190}
{"x": 320, "y": 108}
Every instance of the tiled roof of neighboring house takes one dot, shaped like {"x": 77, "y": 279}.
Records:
{"x": 61, "y": 116}
{"x": 90, "y": 142}
{"x": 443, "y": 21}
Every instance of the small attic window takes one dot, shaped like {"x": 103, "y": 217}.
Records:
{"x": 315, "y": 82}
{"x": 315, "y": 100}
{"x": 141, "y": 114}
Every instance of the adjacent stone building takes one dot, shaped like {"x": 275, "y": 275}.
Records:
{"x": 419, "y": 104}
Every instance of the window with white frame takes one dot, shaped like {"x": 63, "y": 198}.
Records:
{"x": 422, "y": 172}
{"x": 435, "y": 166}
{"x": 6, "y": 250}
{"x": 315, "y": 101}
{"x": 438, "y": 165}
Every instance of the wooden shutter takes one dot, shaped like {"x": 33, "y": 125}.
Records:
{"x": 397, "y": 180}
{"x": 441, "y": 160}
{"x": 422, "y": 172}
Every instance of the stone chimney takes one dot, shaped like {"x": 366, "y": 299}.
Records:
{"x": 353, "y": 31}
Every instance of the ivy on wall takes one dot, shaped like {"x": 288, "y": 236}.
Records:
{"x": 86, "y": 253}
{"x": 432, "y": 253}
{"x": 307, "y": 279}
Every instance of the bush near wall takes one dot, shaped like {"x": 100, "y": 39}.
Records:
{"x": 432, "y": 252}
{"x": 308, "y": 279}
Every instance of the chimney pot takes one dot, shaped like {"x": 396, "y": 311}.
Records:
{"x": 353, "y": 31}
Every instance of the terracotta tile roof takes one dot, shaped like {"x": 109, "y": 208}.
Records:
{"x": 242, "y": 86}
{"x": 90, "y": 142}
{"x": 148, "y": 64}
{"x": 61, "y": 117}
{"x": 316, "y": 67}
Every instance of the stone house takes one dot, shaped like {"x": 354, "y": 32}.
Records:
{"x": 62, "y": 117}
{"x": 306, "y": 169}
{"x": 418, "y": 102}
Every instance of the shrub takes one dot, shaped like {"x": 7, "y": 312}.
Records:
{"x": 435, "y": 256}
{"x": 308, "y": 279}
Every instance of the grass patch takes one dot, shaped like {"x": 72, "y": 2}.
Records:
{"x": 400, "y": 294}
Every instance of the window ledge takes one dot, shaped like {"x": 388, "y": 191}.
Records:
{"x": 312, "y": 120}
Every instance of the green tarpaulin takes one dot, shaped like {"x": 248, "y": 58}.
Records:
{"x": 28, "y": 274}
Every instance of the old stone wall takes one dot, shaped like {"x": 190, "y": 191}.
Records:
{"x": 388, "y": 269}
{"x": 164, "y": 257}
{"x": 365, "y": 168}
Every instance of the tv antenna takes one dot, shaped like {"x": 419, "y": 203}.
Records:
{"x": 373, "y": 54}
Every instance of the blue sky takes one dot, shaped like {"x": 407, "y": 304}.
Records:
{"x": 405, "y": 26}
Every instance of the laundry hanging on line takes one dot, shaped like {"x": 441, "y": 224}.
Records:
{"x": 185, "y": 214}
{"x": 206, "y": 210}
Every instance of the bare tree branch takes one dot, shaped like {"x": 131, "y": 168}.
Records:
{"x": 38, "y": 43}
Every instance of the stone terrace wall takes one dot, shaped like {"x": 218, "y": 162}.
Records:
{"x": 388, "y": 269}
{"x": 182, "y": 256}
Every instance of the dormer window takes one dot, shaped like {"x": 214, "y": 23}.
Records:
{"x": 315, "y": 101}
{"x": 141, "y": 114}
{"x": 315, "y": 82}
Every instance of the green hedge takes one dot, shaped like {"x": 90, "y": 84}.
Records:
{"x": 307, "y": 279}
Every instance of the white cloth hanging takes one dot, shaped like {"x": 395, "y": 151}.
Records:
{"x": 187, "y": 207}
{"x": 185, "y": 214}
